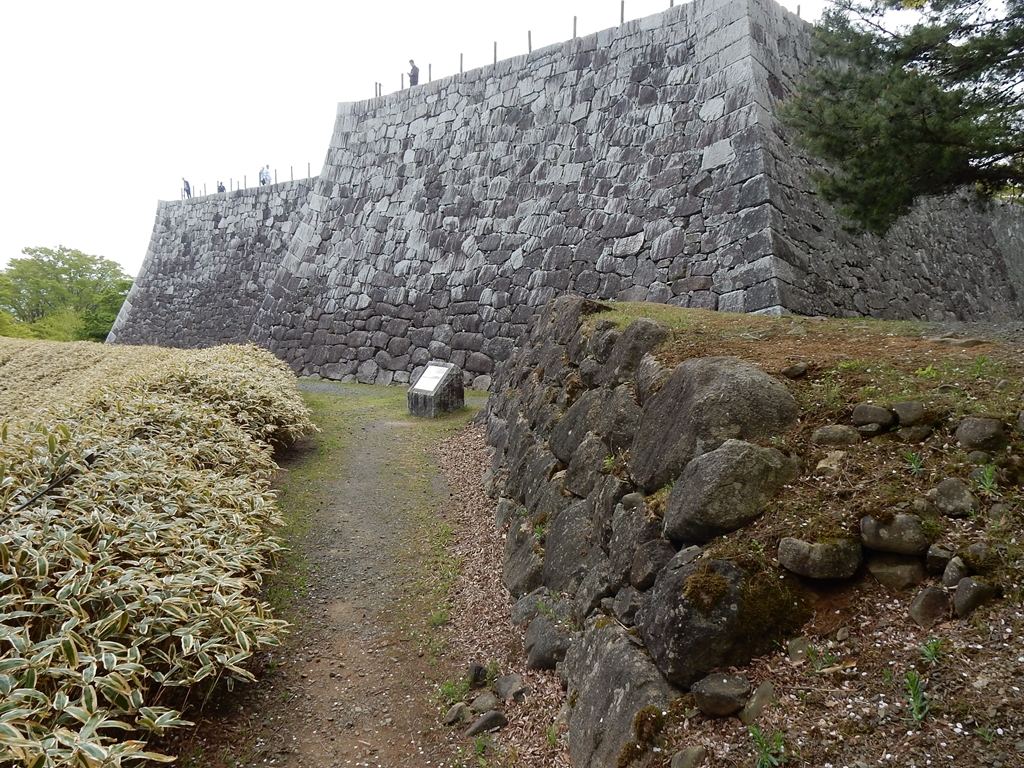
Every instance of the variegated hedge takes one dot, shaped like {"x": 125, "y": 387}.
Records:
{"x": 136, "y": 523}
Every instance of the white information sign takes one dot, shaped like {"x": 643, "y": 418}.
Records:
{"x": 430, "y": 378}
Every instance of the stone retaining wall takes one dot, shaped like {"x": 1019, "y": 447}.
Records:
{"x": 207, "y": 267}
{"x": 631, "y": 492}
{"x": 643, "y": 162}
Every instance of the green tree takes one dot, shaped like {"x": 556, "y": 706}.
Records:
{"x": 901, "y": 110}
{"x": 96, "y": 323}
{"x": 61, "y": 325}
{"x": 63, "y": 293}
{"x": 11, "y": 327}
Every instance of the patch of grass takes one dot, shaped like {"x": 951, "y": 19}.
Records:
{"x": 544, "y": 610}
{"x": 933, "y": 528}
{"x": 453, "y": 691}
{"x": 827, "y": 394}
{"x": 552, "y": 733}
{"x": 493, "y": 672}
{"x": 853, "y": 365}
{"x": 438, "y": 618}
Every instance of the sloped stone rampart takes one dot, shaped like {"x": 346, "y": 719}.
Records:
{"x": 578, "y": 525}
{"x": 209, "y": 264}
{"x": 643, "y": 162}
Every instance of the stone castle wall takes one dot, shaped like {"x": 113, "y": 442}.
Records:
{"x": 641, "y": 163}
{"x": 207, "y": 267}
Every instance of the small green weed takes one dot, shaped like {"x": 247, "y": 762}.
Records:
{"x": 933, "y": 650}
{"x": 821, "y": 659}
{"x": 919, "y": 705}
{"x": 479, "y": 746}
{"x": 926, "y": 373}
{"x": 916, "y": 462}
{"x": 551, "y": 732}
{"x": 452, "y": 691}
{"x": 493, "y": 671}
{"x": 771, "y": 750}
{"x": 545, "y": 610}
{"x": 987, "y": 735}
{"x": 987, "y": 481}
{"x": 933, "y": 528}
{"x": 439, "y": 617}
{"x": 831, "y": 395}
{"x": 853, "y": 365}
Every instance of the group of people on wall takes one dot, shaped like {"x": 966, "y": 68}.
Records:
{"x": 265, "y": 176}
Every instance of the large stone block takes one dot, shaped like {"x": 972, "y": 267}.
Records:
{"x": 705, "y": 402}
{"x": 723, "y": 490}
{"x": 690, "y": 620}
{"x": 436, "y": 391}
{"x": 610, "y": 680}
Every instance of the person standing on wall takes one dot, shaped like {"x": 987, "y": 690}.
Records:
{"x": 188, "y": 189}
{"x": 414, "y": 74}
{"x": 265, "y": 175}
{"x": 220, "y": 186}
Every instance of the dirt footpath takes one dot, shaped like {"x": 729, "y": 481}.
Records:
{"x": 356, "y": 683}
{"x": 358, "y": 687}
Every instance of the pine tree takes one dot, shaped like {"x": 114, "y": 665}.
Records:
{"x": 901, "y": 110}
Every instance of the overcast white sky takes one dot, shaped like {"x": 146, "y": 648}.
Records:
{"x": 107, "y": 104}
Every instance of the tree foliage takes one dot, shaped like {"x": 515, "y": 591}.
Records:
{"x": 62, "y": 294}
{"x": 901, "y": 110}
